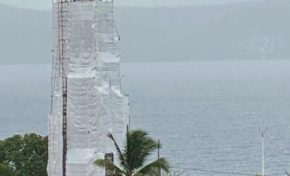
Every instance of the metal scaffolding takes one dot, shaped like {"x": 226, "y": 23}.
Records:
{"x": 86, "y": 93}
{"x": 61, "y": 59}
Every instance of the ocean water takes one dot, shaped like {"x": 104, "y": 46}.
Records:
{"x": 207, "y": 114}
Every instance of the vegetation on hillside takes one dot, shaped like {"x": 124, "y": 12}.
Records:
{"x": 24, "y": 155}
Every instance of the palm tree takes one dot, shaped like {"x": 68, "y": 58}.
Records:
{"x": 139, "y": 146}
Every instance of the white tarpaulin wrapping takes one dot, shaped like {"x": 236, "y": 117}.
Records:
{"x": 95, "y": 104}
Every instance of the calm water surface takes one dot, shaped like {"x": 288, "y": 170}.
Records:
{"x": 208, "y": 115}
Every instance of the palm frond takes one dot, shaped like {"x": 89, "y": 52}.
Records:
{"x": 153, "y": 168}
{"x": 120, "y": 154}
{"x": 110, "y": 166}
{"x": 139, "y": 147}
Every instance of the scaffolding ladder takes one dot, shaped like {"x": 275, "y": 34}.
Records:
{"x": 62, "y": 70}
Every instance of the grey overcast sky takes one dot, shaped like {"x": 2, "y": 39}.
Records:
{"x": 45, "y": 4}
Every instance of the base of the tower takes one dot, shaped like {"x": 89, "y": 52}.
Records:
{"x": 80, "y": 163}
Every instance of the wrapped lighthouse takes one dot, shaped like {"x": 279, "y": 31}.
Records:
{"x": 87, "y": 102}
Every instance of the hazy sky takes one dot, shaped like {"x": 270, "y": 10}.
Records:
{"x": 45, "y": 4}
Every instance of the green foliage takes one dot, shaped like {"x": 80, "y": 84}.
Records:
{"x": 6, "y": 171}
{"x": 25, "y": 155}
{"x": 133, "y": 156}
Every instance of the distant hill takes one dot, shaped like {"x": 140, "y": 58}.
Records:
{"x": 257, "y": 30}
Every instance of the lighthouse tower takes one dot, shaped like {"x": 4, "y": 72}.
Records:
{"x": 87, "y": 102}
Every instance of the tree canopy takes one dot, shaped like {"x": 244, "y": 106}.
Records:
{"x": 24, "y": 155}
{"x": 6, "y": 170}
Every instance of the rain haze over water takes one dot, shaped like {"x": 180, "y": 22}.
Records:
{"x": 204, "y": 77}
{"x": 46, "y": 4}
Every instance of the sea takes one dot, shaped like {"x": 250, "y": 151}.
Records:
{"x": 208, "y": 115}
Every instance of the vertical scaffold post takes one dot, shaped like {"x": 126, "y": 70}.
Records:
{"x": 61, "y": 58}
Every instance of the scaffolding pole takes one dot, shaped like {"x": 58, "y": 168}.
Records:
{"x": 61, "y": 57}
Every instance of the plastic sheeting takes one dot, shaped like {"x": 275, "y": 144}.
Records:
{"x": 95, "y": 104}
